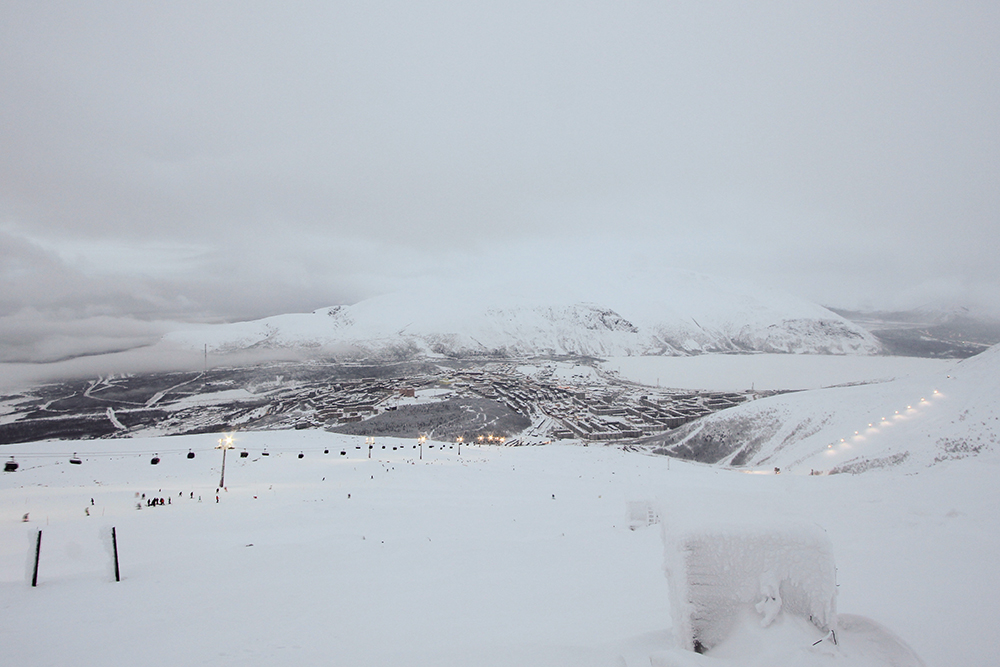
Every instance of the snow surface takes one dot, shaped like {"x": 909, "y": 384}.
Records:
{"x": 740, "y": 372}
{"x": 503, "y": 556}
{"x": 909, "y": 423}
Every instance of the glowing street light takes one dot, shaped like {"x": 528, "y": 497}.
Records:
{"x": 225, "y": 442}
{"x": 421, "y": 440}
{"x": 459, "y": 441}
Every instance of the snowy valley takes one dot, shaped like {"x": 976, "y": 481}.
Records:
{"x": 464, "y": 504}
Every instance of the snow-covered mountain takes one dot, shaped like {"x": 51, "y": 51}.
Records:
{"x": 911, "y": 422}
{"x": 677, "y": 313}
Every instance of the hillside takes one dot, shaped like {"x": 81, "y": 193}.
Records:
{"x": 673, "y": 313}
{"x": 912, "y": 422}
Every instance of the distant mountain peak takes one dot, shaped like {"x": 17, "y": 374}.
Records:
{"x": 677, "y": 313}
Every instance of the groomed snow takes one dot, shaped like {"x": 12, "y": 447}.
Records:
{"x": 451, "y": 560}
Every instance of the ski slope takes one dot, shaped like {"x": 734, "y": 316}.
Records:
{"x": 498, "y": 556}
{"x": 912, "y": 422}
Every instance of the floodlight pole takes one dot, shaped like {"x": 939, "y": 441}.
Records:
{"x": 222, "y": 479}
{"x": 224, "y": 444}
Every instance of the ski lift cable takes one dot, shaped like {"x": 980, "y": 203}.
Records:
{"x": 149, "y": 452}
{"x": 82, "y": 454}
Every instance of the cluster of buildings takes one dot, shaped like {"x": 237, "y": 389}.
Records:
{"x": 557, "y": 405}
{"x": 602, "y": 413}
{"x": 604, "y": 410}
{"x": 340, "y": 402}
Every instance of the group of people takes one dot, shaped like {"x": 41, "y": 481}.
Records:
{"x": 154, "y": 502}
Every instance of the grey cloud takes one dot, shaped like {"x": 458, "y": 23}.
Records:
{"x": 268, "y": 159}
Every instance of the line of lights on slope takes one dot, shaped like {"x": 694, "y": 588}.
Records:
{"x": 874, "y": 428}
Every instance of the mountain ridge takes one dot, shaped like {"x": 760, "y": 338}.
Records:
{"x": 681, "y": 314}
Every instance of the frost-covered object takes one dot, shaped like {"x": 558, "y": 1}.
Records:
{"x": 642, "y": 513}
{"x": 717, "y": 577}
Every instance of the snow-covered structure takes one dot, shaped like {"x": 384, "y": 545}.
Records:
{"x": 642, "y": 513}
{"x": 719, "y": 577}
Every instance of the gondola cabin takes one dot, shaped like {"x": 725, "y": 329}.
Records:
{"x": 75, "y": 460}
{"x": 190, "y": 455}
{"x": 343, "y": 452}
{"x": 154, "y": 461}
{"x": 10, "y": 466}
{"x": 301, "y": 455}
{"x": 326, "y": 451}
{"x": 244, "y": 454}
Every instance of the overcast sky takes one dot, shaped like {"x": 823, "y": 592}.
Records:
{"x": 226, "y": 161}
